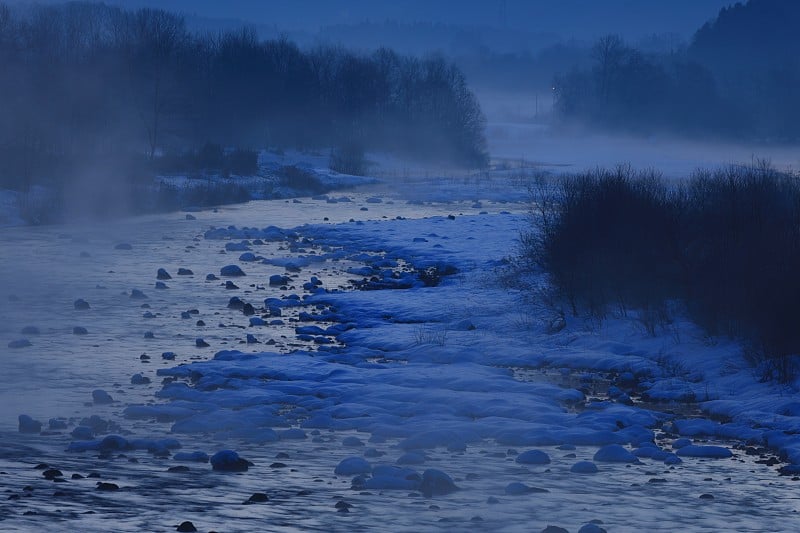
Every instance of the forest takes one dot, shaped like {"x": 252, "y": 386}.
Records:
{"x": 720, "y": 85}
{"x": 90, "y": 83}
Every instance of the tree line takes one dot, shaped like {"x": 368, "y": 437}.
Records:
{"x": 736, "y": 79}
{"x": 85, "y": 81}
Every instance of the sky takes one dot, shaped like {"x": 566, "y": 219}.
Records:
{"x": 580, "y": 19}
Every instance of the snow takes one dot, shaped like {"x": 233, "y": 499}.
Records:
{"x": 429, "y": 374}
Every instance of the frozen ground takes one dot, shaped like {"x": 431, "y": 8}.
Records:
{"x": 444, "y": 372}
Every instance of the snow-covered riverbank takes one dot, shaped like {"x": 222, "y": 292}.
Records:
{"x": 430, "y": 372}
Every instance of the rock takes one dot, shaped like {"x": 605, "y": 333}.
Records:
{"x": 258, "y": 497}
{"x": 584, "y": 467}
{"x": 163, "y": 274}
{"x": 231, "y": 271}
{"x": 80, "y": 304}
{"x": 554, "y": 529}
{"x": 680, "y": 443}
{"x": 557, "y": 324}
{"x": 251, "y": 339}
{"x": 57, "y": 423}
{"x": 248, "y": 257}
{"x": 614, "y": 453}
{"x": 706, "y": 496}
{"x": 235, "y": 303}
{"x": 82, "y": 433}
{"x": 160, "y": 285}
{"x": 107, "y": 486}
{"x": 136, "y": 294}
{"x": 185, "y": 272}
{"x": 591, "y": 528}
{"x": 533, "y": 457}
{"x": 352, "y": 441}
{"x": 231, "y": 285}
{"x": 101, "y": 396}
{"x": 80, "y": 330}
{"x": 52, "y": 473}
{"x": 169, "y": 356}
{"x": 30, "y": 330}
{"x": 180, "y": 469}
{"x": 712, "y": 452}
{"x": 193, "y": 457}
{"x": 190, "y": 217}
{"x": 435, "y": 482}
{"x": 211, "y": 277}
{"x": 149, "y": 335}
{"x": 29, "y": 425}
{"x": 138, "y": 379}
{"x": 353, "y": 466}
{"x": 200, "y": 343}
{"x": 411, "y": 458}
{"x": 516, "y": 488}
{"x": 186, "y": 527}
{"x": 229, "y": 461}
{"x": 123, "y": 246}
{"x": 19, "y": 343}
{"x": 276, "y": 280}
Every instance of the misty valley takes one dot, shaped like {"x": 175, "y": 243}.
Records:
{"x": 479, "y": 266}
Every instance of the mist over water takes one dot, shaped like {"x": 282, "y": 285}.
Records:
{"x": 398, "y": 353}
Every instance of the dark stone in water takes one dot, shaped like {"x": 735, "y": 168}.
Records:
{"x": 30, "y": 330}
{"x": 160, "y": 285}
{"x": 52, "y": 473}
{"x": 29, "y": 425}
{"x": 136, "y": 294}
{"x": 138, "y": 379}
{"x": 706, "y": 496}
{"x": 123, "y": 246}
{"x": 80, "y": 330}
{"x": 185, "y": 272}
{"x": 231, "y": 285}
{"x": 231, "y": 271}
{"x": 149, "y": 335}
{"x": 178, "y": 469}
{"x": 20, "y": 343}
{"x": 200, "y": 343}
{"x": 186, "y": 527}
{"x": 211, "y": 277}
{"x": 554, "y": 529}
{"x": 200, "y": 323}
{"x": 163, "y": 274}
{"x": 258, "y": 497}
{"x": 101, "y": 396}
{"x": 81, "y": 305}
{"x": 101, "y": 485}
{"x": 229, "y": 461}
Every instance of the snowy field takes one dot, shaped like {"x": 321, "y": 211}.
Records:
{"x": 377, "y": 369}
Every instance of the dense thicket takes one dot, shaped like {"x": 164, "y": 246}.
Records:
{"x": 85, "y": 80}
{"x": 737, "y": 79}
{"x": 726, "y": 244}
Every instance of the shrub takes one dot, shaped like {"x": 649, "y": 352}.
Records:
{"x": 613, "y": 239}
{"x": 726, "y": 243}
{"x": 299, "y": 179}
{"x": 348, "y": 159}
